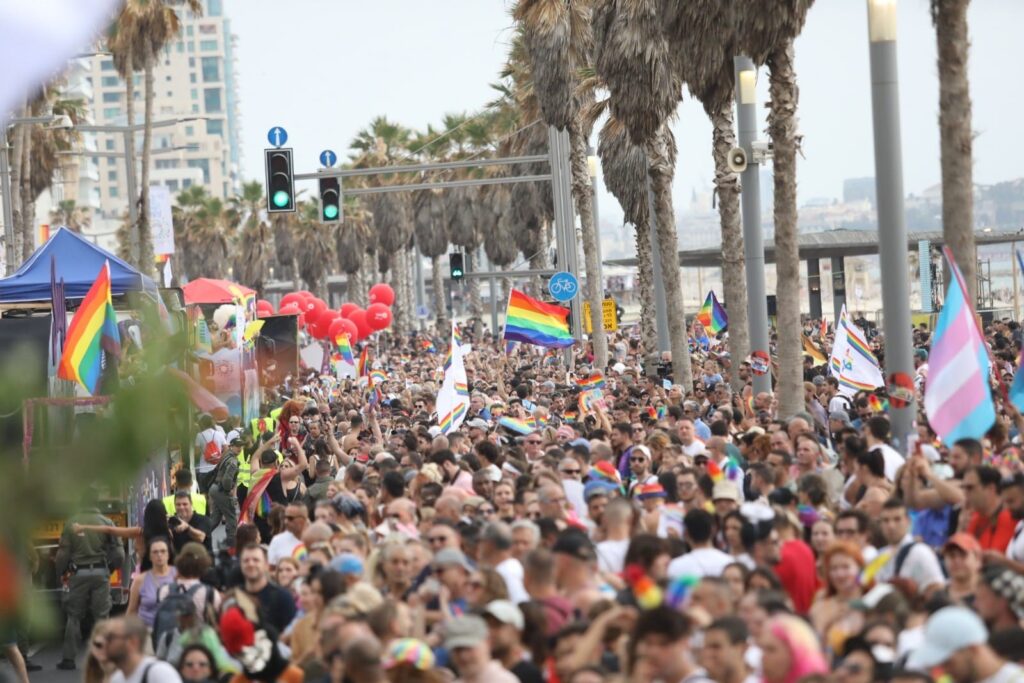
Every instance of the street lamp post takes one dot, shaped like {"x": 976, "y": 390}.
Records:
{"x": 892, "y": 229}
{"x": 750, "y": 203}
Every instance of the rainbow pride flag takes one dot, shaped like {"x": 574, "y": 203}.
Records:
{"x": 345, "y": 348}
{"x": 363, "y": 367}
{"x": 712, "y": 316}
{"x": 446, "y": 422}
{"x": 535, "y": 322}
{"x": 378, "y": 377}
{"x": 94, "y": 328}
{"x": 516, "y": 425}
{"x": 592, "y": 382}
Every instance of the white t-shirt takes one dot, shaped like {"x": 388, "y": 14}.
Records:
{"x": 212, "y": 437}
{"x": 694, "y": 448}
{"x": 700, "y": 563}
{"x": 1008, "y": 673}
{"x": 893, "y": 460}
{"x": 921, "y": 565}
{"x": 282, "y": 545}
{"x": 512, "y": 572}
{"x": 611, "y": 555}
{"x": 158, "y": 672}
{"x": 1015, "y": 551}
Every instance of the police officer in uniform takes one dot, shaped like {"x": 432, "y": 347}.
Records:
{"x": 88, "y": 557}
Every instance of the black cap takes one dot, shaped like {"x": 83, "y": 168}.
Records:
{"x": 576, "y": 544}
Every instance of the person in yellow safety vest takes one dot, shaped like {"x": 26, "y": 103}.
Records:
{"x": 244, "y": 478}
{"x": 183, "y": 482}
{"x": 263, "y": 424}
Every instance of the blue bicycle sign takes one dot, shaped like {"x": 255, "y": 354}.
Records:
{"x": 563, "y": 286}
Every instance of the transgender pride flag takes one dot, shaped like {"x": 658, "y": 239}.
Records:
{"x": 957, "y": 397}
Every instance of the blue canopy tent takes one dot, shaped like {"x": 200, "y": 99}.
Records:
{"x": 78, "y": 263}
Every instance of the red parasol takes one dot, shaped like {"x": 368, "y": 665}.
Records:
{"x": 211, "y": 291}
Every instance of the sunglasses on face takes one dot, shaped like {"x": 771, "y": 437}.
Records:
{"x": 638, "y": 459}
{"x": 572, "y": 472}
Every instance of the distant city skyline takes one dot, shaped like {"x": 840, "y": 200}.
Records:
{"x": 414, "y": 63}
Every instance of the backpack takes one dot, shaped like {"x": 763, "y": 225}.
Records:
{"x": 226, "y": 474}
{"x": 901, "y": 557}
{"x": 165, "y": 621}
{"x": 211, "y": 451}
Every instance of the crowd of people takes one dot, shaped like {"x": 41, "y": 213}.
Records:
{"x": 650, "y": 532}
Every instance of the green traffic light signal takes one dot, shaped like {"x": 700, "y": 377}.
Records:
{"x": 280, "y": 199}
{"x": 331, "y": 211}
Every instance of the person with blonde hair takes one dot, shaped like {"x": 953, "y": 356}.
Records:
{"x": 98, "y": 668}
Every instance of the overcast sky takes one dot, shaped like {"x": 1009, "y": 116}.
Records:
{"x": 324, "y": 68}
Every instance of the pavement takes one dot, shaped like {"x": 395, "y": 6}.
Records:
{"x": 47, "y": 656}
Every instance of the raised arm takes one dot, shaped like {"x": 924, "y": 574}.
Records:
{"x": 116, "y": 531}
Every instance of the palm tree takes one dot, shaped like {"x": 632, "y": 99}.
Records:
{"x": 559, "y": 41}
{"x": 71, "y": 215}
{"x": 378, "y": 145}
{"x": 702, "y": 38}
{"x": 633, "y": 58}
{"x": 313, "y": 247}
{"x": 253, "y": 251}
{"x": 956, "y": 137}
{"x": 431, "y": 225}
{"x": 142, "y": 30}
{"x": 354, "y": 247}
{"x": 766, "y": 30}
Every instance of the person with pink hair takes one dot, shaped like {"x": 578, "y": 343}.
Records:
{"x": 790, "y": 650}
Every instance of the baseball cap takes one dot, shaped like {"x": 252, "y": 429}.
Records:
{"x": 963, "y": 541}
{"x": 506, "y": 612}
{"x": 477, "y": 423}
{"x": 347, "y": 563}
{"x": 947, "y": 631}
{"x": 409, "y": 651}
{"x": 447, "y": 557}
{"x": 599, "y": 487}
{"x": 818, "y": 380}
{"x": 465, "y": 631}
{"x": 576, "y": 544}
{"x": 840, "y": 416}
{"x": 359, "y": 600}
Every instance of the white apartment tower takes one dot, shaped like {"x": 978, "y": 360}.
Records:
{"x": 195, "y": 82}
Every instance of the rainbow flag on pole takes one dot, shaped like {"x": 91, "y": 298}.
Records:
{"x": 92, "y": 330}
{"x": 712, "y": 316}
{"x": 345, "y": 348}
{"x": 535, "y": 322}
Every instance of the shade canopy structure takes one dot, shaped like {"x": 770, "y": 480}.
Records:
{"x": 206, "y": 290}
{"x": 78, "y": 262}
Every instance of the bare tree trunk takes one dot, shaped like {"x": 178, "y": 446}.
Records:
{"x": 782, "y": 128}
{"x": 582, "y": 196}
{"x": 28, "y": 202}
{"x": 538, "y": 261}
{"x": 440, "y": 300}
{"x": 733, "y": 282}
{"x": 146, "y": 259}
{"x": 129, "y": 152}
{"x": 644, "y": 273}
{"x": 956, "y": 138}
{"x": 661, "y": 172}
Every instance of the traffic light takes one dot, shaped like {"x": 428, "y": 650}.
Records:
{"x": 330, "y": 200}
{"x": 280, "y": 180}
{"x": 455, "y": 263}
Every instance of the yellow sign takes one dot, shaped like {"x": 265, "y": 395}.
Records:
{"x": 609, "y": 318}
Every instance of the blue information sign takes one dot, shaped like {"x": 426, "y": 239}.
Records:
{"x": 563, "y": 286}
{"x": 277, "y": 136}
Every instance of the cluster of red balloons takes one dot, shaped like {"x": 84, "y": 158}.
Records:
{"x": 322, "y": 322}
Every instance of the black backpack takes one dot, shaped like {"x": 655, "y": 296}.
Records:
{"x": 173, "y": 604}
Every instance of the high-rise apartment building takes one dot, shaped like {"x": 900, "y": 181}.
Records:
{"x": 194, "y": 82}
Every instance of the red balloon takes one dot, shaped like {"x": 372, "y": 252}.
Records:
{"x": 347, "y": 308}
{"x": 362, "y": 326}
{"x": 264, "y": 304}
{"x": 349, "y": 328}
{"x": 290, "y": 309}
{"x": 305, "y": 294}
{"x": 292, "y": 297}
{"x": 314, "y": 304}
{"x": 338, "y": 327}
{"x": 263, "y": 313}
{"x": 381, "y": 293}
{"x": 378, "y": 316}
{"x": 326, "y": 318}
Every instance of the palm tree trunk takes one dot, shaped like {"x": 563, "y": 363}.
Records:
{"x": 644, "y": 272}
{"x": 661, "y": 172}
{"x": 129, "y": 160}
{"x": 28, "y": 202}
{"x": 539, "y": 261}
{"x": 582, "y": 195}
{"x": 476, "y": 306}
{"x": 728, "y": 188}
{"x": 782, "y": 128}
{"x": 440, "y": 301}
{"x": 146, "y": 260}
{"x": 956, "y": 137}
{"x": 17, "y": 158}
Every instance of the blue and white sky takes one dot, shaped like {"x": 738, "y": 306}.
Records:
{"x": 324, "y": 68}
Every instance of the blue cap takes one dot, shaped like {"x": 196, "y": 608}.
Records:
{"x": 347, "y": 563}
{"x": 598, "y": 487}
